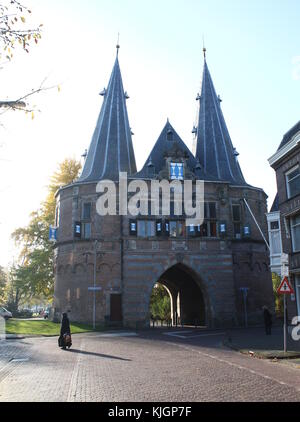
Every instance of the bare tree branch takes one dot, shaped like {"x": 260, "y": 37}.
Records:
{"x": 20, "y": 104}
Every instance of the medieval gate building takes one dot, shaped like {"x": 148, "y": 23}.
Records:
{"x": 203, "y": 267}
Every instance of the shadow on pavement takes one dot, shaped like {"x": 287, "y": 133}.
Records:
{"x": 100, "y": 355}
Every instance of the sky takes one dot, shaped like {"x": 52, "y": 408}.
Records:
{"x": 253, "y": 53}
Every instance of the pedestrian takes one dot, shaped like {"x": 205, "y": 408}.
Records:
{"x": 65, "y": 339}
{"x": 267, "y": 320}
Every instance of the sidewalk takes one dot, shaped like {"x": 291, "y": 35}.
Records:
{"x": 255, "y": 342}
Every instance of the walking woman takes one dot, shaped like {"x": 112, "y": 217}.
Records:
{"x": 65, "y": 340}
{"x": 268, "y": 320}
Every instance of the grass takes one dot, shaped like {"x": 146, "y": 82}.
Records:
{"x": 42, "y": 328}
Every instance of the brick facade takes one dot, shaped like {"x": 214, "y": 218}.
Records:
{"x": 289, "y": 207}
{"x": 217, "y": 266}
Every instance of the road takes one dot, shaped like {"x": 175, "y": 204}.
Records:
{"x": 157, "y": 365}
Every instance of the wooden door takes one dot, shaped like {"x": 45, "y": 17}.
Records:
{"x": 116, "y": 307}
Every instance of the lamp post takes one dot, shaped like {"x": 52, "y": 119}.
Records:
{"x": 94, "y": 291}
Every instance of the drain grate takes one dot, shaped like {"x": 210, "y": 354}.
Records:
{"x": 19, "y": 360}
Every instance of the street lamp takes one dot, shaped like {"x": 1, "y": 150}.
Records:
{"x": 244, "y": 290}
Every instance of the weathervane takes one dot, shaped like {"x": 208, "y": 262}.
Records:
{"x": 118, "y": 44}
{"x": 204, "y": 49}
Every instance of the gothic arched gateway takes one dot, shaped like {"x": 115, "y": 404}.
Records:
{"x": 187, "y": 299}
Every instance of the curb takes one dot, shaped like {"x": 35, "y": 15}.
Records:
{"x": 261, "y": 355}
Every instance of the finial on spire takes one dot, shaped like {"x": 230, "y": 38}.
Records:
{"x": 204, "y": 49}
{"x": 118, "y": 44}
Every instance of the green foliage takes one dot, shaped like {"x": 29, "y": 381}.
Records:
{"x": 33, "y": 276}
{"x": 3, "y": 285}
{"x": 160, "y": 304}
{"x": 276, "y": 280}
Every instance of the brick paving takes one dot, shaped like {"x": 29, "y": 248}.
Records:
{"x": 147, "y": 367}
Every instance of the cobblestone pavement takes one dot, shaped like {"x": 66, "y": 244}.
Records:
{"x": 150, "y": 366}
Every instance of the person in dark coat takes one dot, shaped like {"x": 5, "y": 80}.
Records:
{"x": 65, "y": 330}
{"x": 267, "y": 320}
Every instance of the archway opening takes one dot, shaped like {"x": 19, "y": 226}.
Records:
{"x": 180, "y": 287}
{"x": 160, "y": 305}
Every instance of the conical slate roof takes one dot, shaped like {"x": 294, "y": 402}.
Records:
{"x": 168, "y": 141}
{"x": 111, "y": 150}
{"x": 215, "y": 151}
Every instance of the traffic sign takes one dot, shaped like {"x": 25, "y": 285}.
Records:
{"x": 285, "y": 287}
{"x": 284, "y": 259}
{"x": 94, "y": 289}
{"x": 284, "y": 271}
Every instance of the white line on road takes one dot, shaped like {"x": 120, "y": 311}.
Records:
{"x": 116, "y": 335}
{"x": 194, "y": 336}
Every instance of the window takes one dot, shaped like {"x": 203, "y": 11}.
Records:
{"x": 86, "y": 212}
{"x": 295, "y": 231}
{"x": 176, "y": 228}
{"x": 176, "y": 171}
{"x": 293, "y": 182}
{"x": 77, "y": 229}
{"x": 146, "y": 228}
{"x": 86, "y": 223}
{"x": 209, "y": 227}
{"x": 275, "y": 238}
{"x": 236, "y": 217}
{"x": 132, "y": 227}
{"x": 86, "y": 230}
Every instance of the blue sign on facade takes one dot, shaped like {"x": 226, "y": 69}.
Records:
{"x": 52, "y": 234}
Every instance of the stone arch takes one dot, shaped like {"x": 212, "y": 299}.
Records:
{"x": 203, "y": 282}
{"x": 68, "y": 269}
{"x": 116, "y": 266}
{"x": 79, "y": 268}
{"x": 60, "y": 269}
{"x": 90, "y": 267}
{"x": 104, "y": 267}
{"x": 257, "y": 267}
{"x": 265, "y": 266}
{"x": 246, "y": 266}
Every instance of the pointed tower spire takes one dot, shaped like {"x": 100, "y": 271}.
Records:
{"x": 214, "y": 150}
{"x": 111, "y": 150}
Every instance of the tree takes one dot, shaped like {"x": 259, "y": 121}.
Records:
{"x": 14, "y": 33}
{"x": 160, "y": 304}
{"x": 14, "y": 291}
{"x": 3, "y": 284}
{"x": 33, "y": 276}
